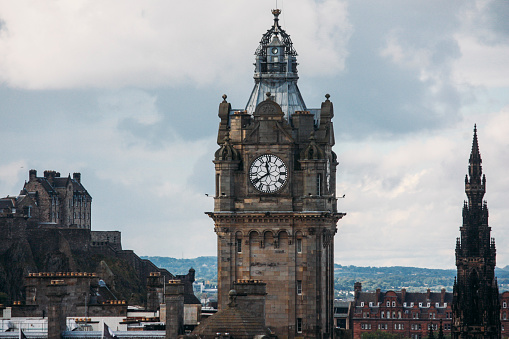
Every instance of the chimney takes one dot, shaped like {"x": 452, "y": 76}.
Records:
{"x": 428, "y": 294}
{"x": 251, "y": 296}
{"x": 442, "y": 296}
{"x": 403, "y": 295}
{"x": 57, "y": 291}
{"x": 32, "y": 175}
{"x": 77, "y": 177}
{"x": 357, "y": 289}
{"x": 155, "y": 291}
{"x": 49, "y": 175}
{"x": 174, "y": 300}
{"x": 377, "y": 295}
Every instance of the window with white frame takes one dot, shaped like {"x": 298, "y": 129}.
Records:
{"x": 299, "y": 287}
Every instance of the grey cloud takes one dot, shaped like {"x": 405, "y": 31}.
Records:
{"x": 496, "y": 18}
{"x": 384, "y": 98}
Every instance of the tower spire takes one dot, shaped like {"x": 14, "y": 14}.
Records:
{"x": 475, "y": 183}
{"x": 276, "y": 71}
{"x": 476, "y": 309}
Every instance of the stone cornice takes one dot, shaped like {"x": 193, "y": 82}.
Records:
{"x": 271, "y": 217}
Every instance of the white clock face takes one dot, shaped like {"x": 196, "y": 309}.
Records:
{"x": 268, "y": 173}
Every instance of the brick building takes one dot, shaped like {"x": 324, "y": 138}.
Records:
{"x": 380, "y": 311}
{"x": 275, "y": 206}
{"x": 410, "y": 314}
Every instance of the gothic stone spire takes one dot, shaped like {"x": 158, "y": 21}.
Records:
{"x": 475, "y": 306}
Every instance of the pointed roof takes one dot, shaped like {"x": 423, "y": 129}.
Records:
{"x": 276, "y": 71}
{"x": 475, "y": 161}
{"x": 475, "y": 155}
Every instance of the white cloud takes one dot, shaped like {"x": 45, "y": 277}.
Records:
{"x": 481, "y": 64}
{"x": 129, "y": 43}
{"x": 10, "y": 175}
{"x": 404, "y": 201}
{"x": 147, "y": 161}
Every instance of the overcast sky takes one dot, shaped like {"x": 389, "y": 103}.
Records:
{"x": 127, "y": 93}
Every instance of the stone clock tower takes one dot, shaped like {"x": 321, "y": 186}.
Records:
{"x": 275, "y": 206}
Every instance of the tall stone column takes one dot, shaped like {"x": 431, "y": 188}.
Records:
{"x": 57, "y": 291}
{"x": 174, "y": 300}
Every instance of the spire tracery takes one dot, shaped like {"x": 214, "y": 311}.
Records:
{"x": 274, "y": 31}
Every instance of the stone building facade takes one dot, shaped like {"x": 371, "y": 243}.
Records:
{"x": 476, "y": 306}
{"x": 275, "y": 206}
{"x": 409, "y": 314}
{"x": 47, "y": 228}
{"x": 59, "y": 201}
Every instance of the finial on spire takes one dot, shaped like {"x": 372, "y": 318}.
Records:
{"x": 267, "y": 95}
{"x": 224, "y": 97}
{"x": 475, "y": 155}
{"x": 327, "y": 96}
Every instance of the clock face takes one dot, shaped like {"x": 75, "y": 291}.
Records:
{"x": 268, "y": 173}
{"x": 274, "y": 50}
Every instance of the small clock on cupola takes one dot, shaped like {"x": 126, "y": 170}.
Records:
{"x": 276, "y": 55}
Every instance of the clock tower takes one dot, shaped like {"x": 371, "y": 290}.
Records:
{"x": 275, "y": 206}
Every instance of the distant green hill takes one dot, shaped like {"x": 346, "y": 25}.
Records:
{"x": 414, "y": 279}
